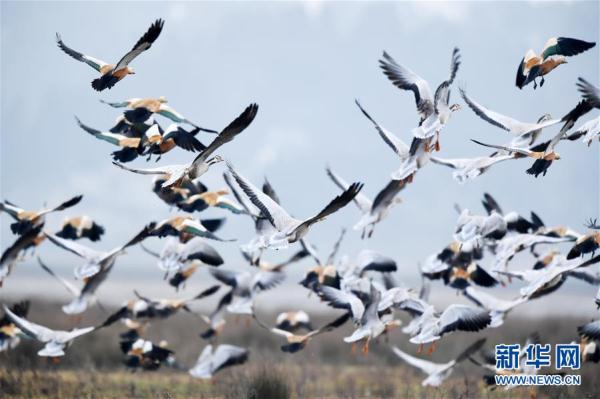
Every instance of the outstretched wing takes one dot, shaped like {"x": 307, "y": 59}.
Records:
{"x": 565, "y": 46}
{"x": 363, "y": 203}
{"x": 91, "y": 61}
{"x": 590, "y": 92}
{"x": 142, "y": 45}
{"x": 523, "y": 151}
{"x": 390, "y": 138}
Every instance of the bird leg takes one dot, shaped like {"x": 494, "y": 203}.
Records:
{"x": 55, "y": 360}
{"x": 365, "y": 348}
{"x": 542, "y": 81}
{"x": 437, "y": 140}
{"x": 534, "y": 84}
{"x": 420, "y": 349}
{"x": 431, "y": 349}
{"x": 353, "y": 350}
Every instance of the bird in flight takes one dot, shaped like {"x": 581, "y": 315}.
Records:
{"x": 111, "y": 74}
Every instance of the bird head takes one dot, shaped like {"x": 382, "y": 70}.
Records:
{"x": 556, "y": 155}
{"x": 130, "y": 71}
{"x": 215, "y": 159}
{"x": 455, "y": 107}
{"x": 162, "y": 99}
{"x": 544, "y": 118}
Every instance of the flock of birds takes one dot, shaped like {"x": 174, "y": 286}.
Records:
{"x": 361, "y": 286}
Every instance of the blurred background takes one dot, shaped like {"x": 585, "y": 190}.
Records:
{"x": 304, "y": 63}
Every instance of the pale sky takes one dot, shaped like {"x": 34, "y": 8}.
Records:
{"x": 304, "y": 64}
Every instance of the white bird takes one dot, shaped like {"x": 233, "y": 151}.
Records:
{"x": 474, "y": 229}
{"x": 588, "y": 132}
{"x": 201, "y": 164}
{"x": 437, "y": 372}
{"x": 56, "y": 341}
{"x": 510, "y": 245}
{"x": 497, "y": 307}
{"x": 466, "y": 169}
{"x": 223, "y": 356}
{"x": 372, "y": 211}
{"x": 288, "y": 228}
{"x": 175, "y": 255}
{"x": 95, "y": 261}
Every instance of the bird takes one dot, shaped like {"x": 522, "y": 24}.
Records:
{"x": 10, "y": 334}
{"x": 78, "y": 227}
{"x": 375, "y": 211}
{"x": 293, "y": 321}
{"x": 510, "y": 245}
{"x": 466, "y": 169}
{"x": 140, "y": 109}
{"x": 182, "y": 225}
{"x": 216, "y": 199}
{"x": 129, "y": 145}
{"x": 473, "y": 229}
{"x": 514, "y": 221}
{"x": 144, "y": 354}
{"x": 461, "y": 276}
{"x": 544, "y": 154}
{"x": 176, "y": 254}
{"x": 27, "y": 220}
{"x": 296, "y": 342}
{"x": 246, "y": 285}
{"x": 213, "y": 360}
{"x": 200, "y": 165}
{"x": 15, "y": 252}
{"x": 216, "y": 320}
{"x": 95, "y": 261}
{"x": 289, "y": 229}
{"x": 434, "y": 111}
{"x": 55, "y": 341}
{"x": 173, "y": 195}
{"x": 438, "y": 372}
{"x": 552, "y": 55}
{"x": 111, "y": 74}
{"x": 497, "y": 307}
{"x": 143, "y": 308}
{"x": 585, "y": 244}
{"x": 411, "y": 159}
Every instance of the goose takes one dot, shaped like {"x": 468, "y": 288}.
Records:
{"x": 178, "y": 225}
{"x": 498, "y": 308}
{"x": 111, "y": 74}
{"x": 454, "y": 254}
{"x": 461, "y": 276}
{"x": 365, "y": 315}
{"x": 514, "y": 221}
{"x": 216, "y": 199}
{"x": 200, "y": 165}
{"x": 15, "y": 252}
{"x": 78, "y": 227}
{"x": 585, "y": 244}
{"x": 590, "y": 330}
{"x": 367, "y": 261}
{"x": 544, "y": 154}
{"x": 95, "y": 261}
{"x": 56, "y": 341}
{"x": 375, "y": 211}
{"x": 158, "y": 142}
{"x": 289, "y": 229}
{"x": 26, "y": 221}
{"x": 173, "y": 195}
{"x": 175, "y": 254}
{"x": 245, "y": 286}
{"x": 589, "y": 92}
{"x": 129, "y": 145}
{"x": 551, "y": 278}
{"x": 553, "y": 54}
{"x": 216, "y": 320}
{"x": 438, "y": 372}
{"x": 434, "y": 111}
{"x": 293, "y": 321}
{"x": 10, "y": 334}
{"x": 211, "y": 361}
{"x": 588, "y": 132}
{"x": 145, "y": 354}
{"x": 146, "y": 308}
{"x": 140, "y": 109}
{"x": 466, "y": 169}
{"x": 411, "y": 159}
{"x": 325, "y": 272}
{"x": 262, "y": 226}
{"x": 82, "y": 297}
{"x": 473, "y": 229}
{"x": 510, "y": 245}
{"x": 297, "y": 342}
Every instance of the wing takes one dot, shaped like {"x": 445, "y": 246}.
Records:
{"x": 372, "y": 261}
{"x": 340, "y": 321}
{"x": 139, "y": 237}
{"x": 67, "y": 284}
{"x": 227, "y": 277}
{"x": 74, "y": 247}
{"x": 523, "y": 151}
{"x": 490, "y": 204}
{"x": 343, "y": 300}
{"x": 227, "y": 134}
{"x": 263, "y": 281}
{"x": 363, "y": 203}
{"x": 226, "y": 355}
{"x": 36, "y": 331}
{"x": 442, "y": 93}
{"x": 143, "y": 44}
{"x": 502, "y": 121}
{"x": 591, "y": 330}
{"x": 426, "y": 366}
{"x": 565, "y": 46}
{"x": 452, "y": 163}
{"x": 464, "y": 318}
{"x": 390, "y": 138}
{"x": 336, "y": 248}
{"x": 240, "y": 198}
{"x": 405, "y": 79}
{"x": 336, "y": 204}
{"x": 582, "y": 108}
{"x": 388, "y": 193}
{"x": 270, "y": 209}
{"x": 312, "y": 251}
{"x": 197, "y": 228}
{"x": 67, "y": 204}
{"x": 183, "y": 138}
{"x": 590, "y": 92}
{"x": 91, "y": 61}
{"x": 482, "y": 299}
{"x": 175, "y": 172}
{"x": 198, "y": 249}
